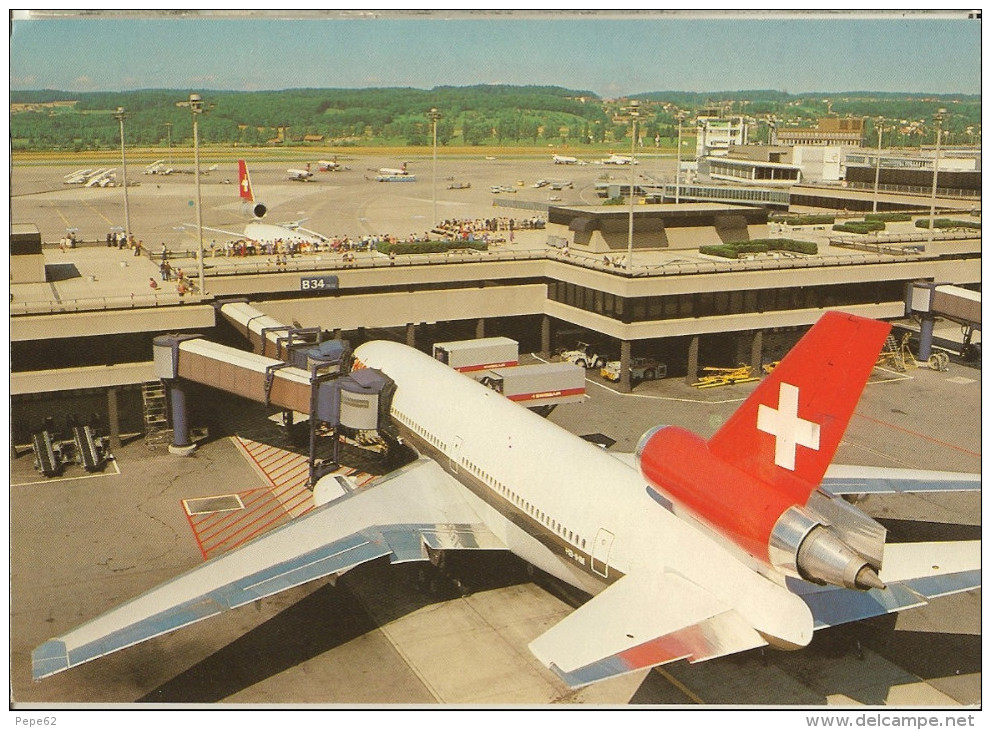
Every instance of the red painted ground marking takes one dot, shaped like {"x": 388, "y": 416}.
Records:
{"x": 920, "y": 435}
{"x": 195, "y": 535}
{"x": 252, "y": 457}
{"x": 233, "y": 518}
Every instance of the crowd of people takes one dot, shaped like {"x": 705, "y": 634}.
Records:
{"x": 486, "y": 230}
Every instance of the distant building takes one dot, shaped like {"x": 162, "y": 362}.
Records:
{"x": 716, "y": 134}
{"x": 959, "y": 170}
{"x": 847, "y": 132}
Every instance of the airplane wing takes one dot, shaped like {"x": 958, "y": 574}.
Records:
{"x": 842, "y": 479}
{"x": 418, "y": 505}
{"x": 647, "y": 620}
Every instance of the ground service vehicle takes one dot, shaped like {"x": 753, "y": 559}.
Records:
{"x": 584, "y": 356}
{"x": 480, "y": 354}
{"x": 641, "y": 368}
{"x": 537, "y": 385}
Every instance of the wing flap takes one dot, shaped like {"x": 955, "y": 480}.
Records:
{"x": 638, "y": 622}
{"x": 843, "y": 479}
{"x": 393, "y": 518}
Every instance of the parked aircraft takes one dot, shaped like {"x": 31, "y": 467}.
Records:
{"x": 102, "y": 179}
{"x": 158, "y": 167}
{"x": 87, "y": 176}
{"x": 300, "y": 175}
{"x": 692, "y": 549}
{"x": 330, "y": 166}
{"x": 393, "y": 171}
{"x": 561, "y": 160}
{"x": 256, "y": 229}
{"x": 619, "y": 160}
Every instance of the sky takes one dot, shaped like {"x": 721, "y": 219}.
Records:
{"x": 610, "y": 55}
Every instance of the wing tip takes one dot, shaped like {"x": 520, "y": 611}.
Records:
{"x": 50, "y": 658}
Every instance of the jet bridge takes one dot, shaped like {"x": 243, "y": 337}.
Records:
{"x": 306, "y": 375}
{"x": 930, "y": 299}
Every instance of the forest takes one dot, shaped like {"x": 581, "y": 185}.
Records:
{"x": 470, "y": 116}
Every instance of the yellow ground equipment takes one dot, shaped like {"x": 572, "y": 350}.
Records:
{"x": 725, "y": 376}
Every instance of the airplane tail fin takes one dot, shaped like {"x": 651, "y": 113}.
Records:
{"x": 244, "y": 182}
{"x": 793, "y": 422}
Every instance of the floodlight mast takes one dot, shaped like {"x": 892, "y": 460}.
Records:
{"x": 634, "y": 112}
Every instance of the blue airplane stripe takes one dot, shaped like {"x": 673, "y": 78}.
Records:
{"x": 894, "y": 485}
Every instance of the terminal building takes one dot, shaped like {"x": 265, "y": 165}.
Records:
{"x": 672, "y": 304}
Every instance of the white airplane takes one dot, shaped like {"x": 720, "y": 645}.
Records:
{"x": 77, "y": 177}
{"x": 393, "y": 172}
{"x": 330, "y": 166}
{"x": 619, "y": 160}
{"x": 257, "y": 230}
{"x": 300, "y": 175}
{"x": 561, "y": 160}
{"x": 158, "y": 167}
{"x": 692, "y": 549}
{"x": 103, "y": 178}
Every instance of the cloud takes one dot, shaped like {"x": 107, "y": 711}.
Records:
{"x": 81, "y": 83}
{"x": 30, "y": 80}
{"x": 202, "y": 79}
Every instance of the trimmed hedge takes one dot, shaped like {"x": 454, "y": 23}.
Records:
{"x": 790, "y": 244}
{"x": 947, "y": 223}
{"x": 403, "y": 248}
{"x": 762, "y": 245}
{"x": 724, "y": 250}
{"x": 803, "y": 220}
{"x": 888, "y": 217}
{"x": 618, "y": 200}
{"x": 859, "y": 226}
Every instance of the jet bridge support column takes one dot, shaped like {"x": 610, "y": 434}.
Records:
{"x": 166, "y": 356}
{"x": 480, "y": 328}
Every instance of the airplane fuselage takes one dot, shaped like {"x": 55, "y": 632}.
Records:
{"x": 557, "y": 501}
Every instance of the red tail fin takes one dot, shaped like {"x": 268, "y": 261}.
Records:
{"x": 791, "y": 425}
{"x": 244, "y": 182}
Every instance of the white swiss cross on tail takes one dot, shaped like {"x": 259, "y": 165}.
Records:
{"x": 788, "y": 429}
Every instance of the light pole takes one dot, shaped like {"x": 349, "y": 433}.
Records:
{"x": 434, "y": 116}
{"x": 879, "y": 123}
{"x": 634, "y": 111}
{"x": 120, "y": 116}
{"x": 677, "y": 173}
{"x": 196, "y": 107}
{"x": 168, "y": 127}
{"x": 938, "y": 118}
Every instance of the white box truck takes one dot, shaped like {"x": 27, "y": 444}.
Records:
{"x": 481, "y": 354}
{"x": 537, "y": 385}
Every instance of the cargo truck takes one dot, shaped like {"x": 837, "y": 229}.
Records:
{"x": 481, "y": 354}
{"x": 550, "y": 383}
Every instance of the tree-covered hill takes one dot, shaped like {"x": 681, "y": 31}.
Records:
{"x": 470, "y": 115}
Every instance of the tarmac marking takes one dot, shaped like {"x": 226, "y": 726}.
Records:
{"x": 920, "y": 435}
{"x": 680, "y": 686}
{"x": 51, "y": 480}
{"x": 89, "y": 205}
{"x": 286, "y": 496}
